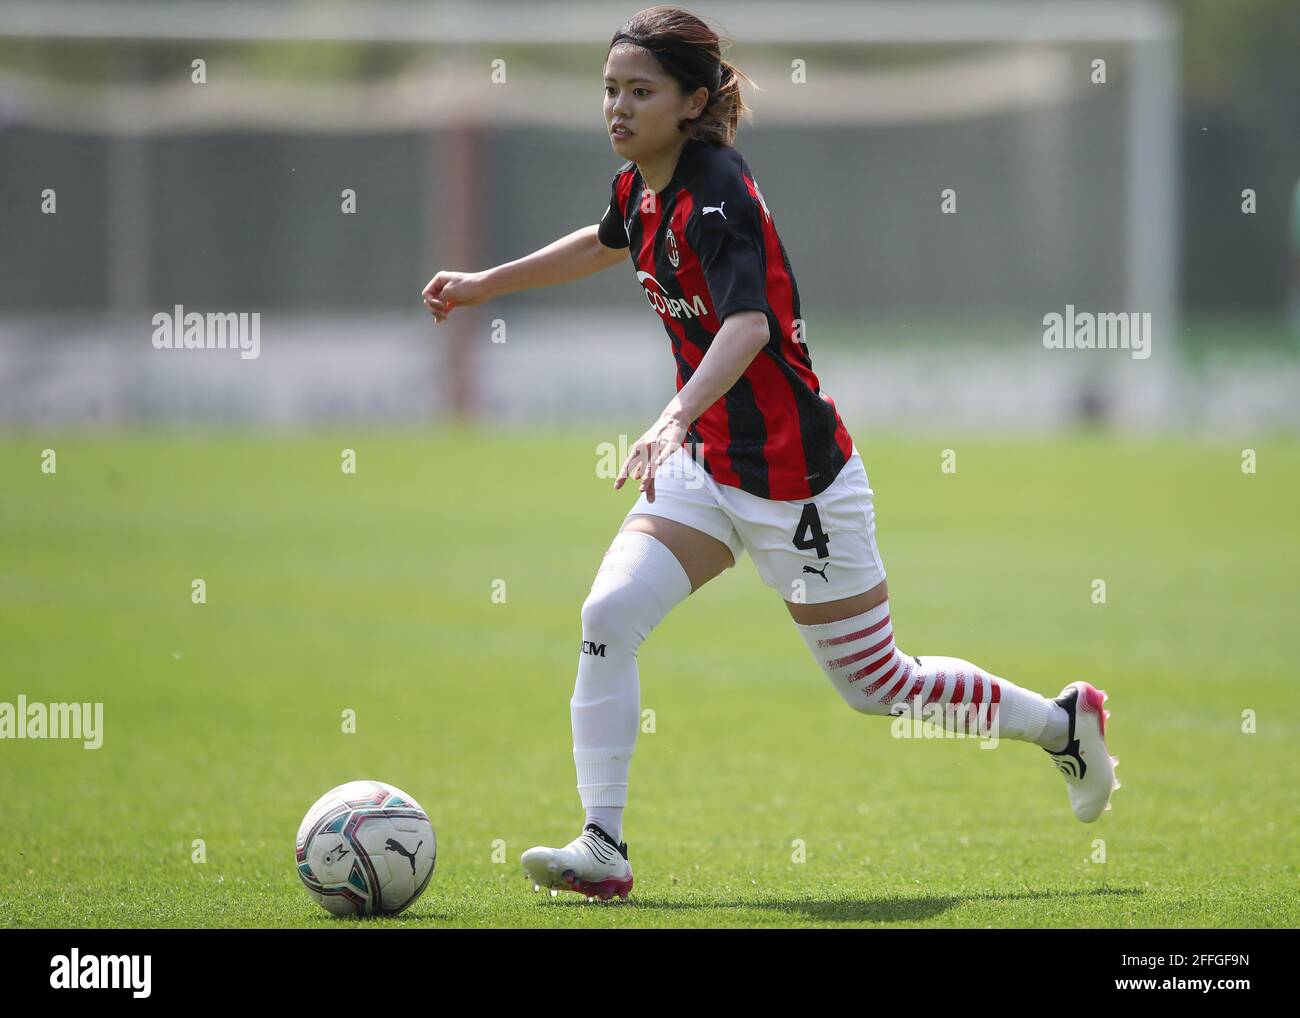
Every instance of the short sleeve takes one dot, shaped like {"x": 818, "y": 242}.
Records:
{"x": 612, "y": 232}
{"x": 726, "y": 235}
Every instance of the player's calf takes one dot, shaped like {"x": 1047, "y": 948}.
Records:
{"x": 873, "y": 676}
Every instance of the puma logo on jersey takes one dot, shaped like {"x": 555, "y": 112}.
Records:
{"x": 820, "y": 572}
{"x": 714, "y": 208}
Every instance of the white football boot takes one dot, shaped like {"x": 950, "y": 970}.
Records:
{"x": 591, "y": 864}
{"x": 1085, "y": 762}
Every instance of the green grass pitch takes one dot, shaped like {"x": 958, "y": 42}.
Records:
{"x": 373, "y": 592}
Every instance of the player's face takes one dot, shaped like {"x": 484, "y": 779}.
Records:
{"x": 646, "y": 102}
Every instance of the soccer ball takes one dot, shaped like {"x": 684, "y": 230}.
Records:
{"x": 365, "y": 848}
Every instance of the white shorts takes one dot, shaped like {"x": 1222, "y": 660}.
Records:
{"x": 809, "y": 551}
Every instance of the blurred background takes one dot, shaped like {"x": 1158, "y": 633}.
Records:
{"x": 318, "y": 162}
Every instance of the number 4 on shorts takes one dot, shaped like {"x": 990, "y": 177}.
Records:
{"x": 809, "y": 533}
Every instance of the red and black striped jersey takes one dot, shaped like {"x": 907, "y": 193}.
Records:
{"x": 704, "y": 247}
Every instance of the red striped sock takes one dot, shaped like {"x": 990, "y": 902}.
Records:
{"x": 873, "y": 676}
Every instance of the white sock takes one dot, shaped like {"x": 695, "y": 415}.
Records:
{"x": 638, "y": 583}
{"x": 610, "y": 819}
{"x": 875, "y": 677}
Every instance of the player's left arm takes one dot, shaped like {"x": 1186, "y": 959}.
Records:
{"x": 733, "y": 349}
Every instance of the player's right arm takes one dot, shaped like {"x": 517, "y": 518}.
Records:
{"x": 579, "y": 254}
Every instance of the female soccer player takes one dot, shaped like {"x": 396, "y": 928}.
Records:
{"x": 770, "y": 469}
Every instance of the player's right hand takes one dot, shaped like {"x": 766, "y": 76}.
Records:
{"x": 449, "y": 290}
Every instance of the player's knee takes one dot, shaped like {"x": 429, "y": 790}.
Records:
{"x": 597, "y": 613}
{"x": 862, "y": 704}
{"x": 865, "y": 699}
{"x": 872, "y": 707}
{"x": 613, "y": 613}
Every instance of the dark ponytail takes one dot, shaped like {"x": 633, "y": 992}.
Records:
{"x": 691, "y": 54}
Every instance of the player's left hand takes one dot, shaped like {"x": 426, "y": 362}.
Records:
{"x": 651, "y": 449}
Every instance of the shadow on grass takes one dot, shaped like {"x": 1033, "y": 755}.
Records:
{"x": 836, "y": 910}
{"x": 886, "y": 910}
{"x": 846, "y": 909}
